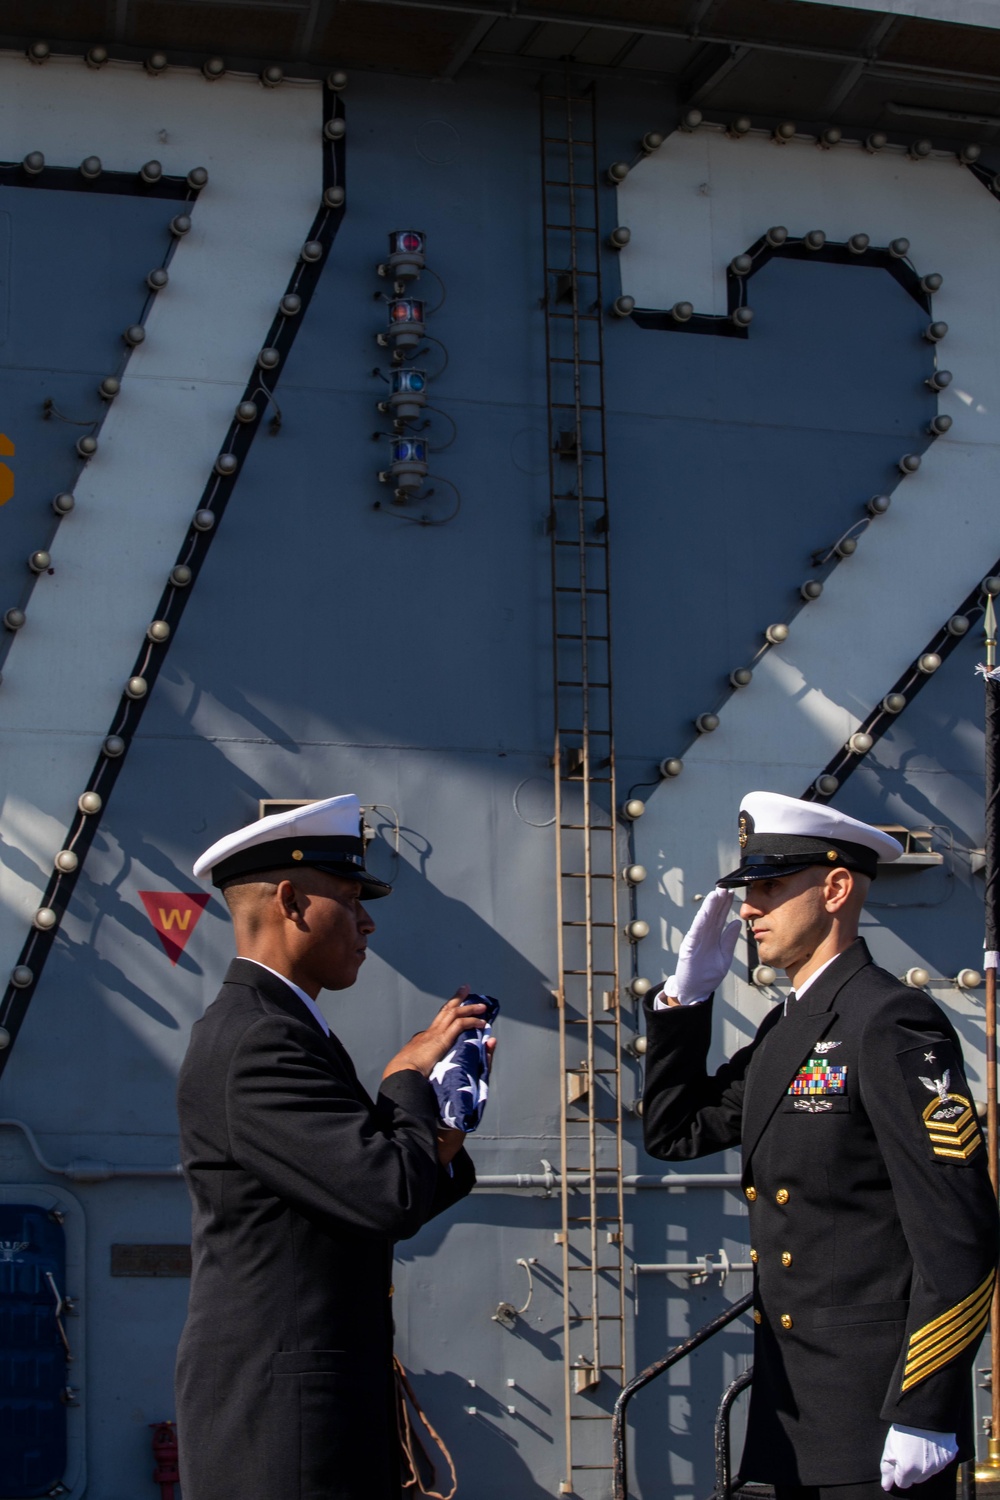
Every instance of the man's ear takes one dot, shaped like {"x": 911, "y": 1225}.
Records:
{"x": 289, "y": 901}
{"x": 839, "y": 889}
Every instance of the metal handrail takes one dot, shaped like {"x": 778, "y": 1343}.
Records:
{"x": 723, "y": 1474}
{"x": 679, "y": 1352}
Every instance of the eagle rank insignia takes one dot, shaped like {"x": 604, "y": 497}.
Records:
{"x": 943, "y": 1100}
{"x": 950, "y": 1122}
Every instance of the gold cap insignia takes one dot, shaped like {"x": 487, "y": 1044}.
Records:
{"x": 744, "y": 830}
{"x": 832, "y": 854}
{"x": 296, "y": 853}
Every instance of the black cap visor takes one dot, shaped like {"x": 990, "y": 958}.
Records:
{"x": 343, "y": 857}
{"x": 788, "y": 855}
{"x": 768, "y": 867}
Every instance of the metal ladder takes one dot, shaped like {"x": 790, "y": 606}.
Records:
{"x": 586, "y": 845}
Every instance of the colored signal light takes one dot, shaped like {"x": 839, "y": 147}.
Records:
{"x": 409, "y": 450}
{"x": 407, "y": 464}
{"x": 406, "y": 324}
{"x": 407, "y": 393}
{"x": 407, "y": 250}
{"x": 406, "y": 310}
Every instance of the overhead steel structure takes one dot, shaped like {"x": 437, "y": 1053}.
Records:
{"x": 908, "y": 74}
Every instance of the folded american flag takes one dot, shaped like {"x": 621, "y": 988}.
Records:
{"x": 460, "y": 1079}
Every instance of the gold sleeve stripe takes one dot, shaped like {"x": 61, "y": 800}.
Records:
{"x": 950, "y": 1353}
{"x": 930, "y": 1352}
{"x": 941, "y": 1340}
{"x": 922, "y": 1341}
{"x": 946, "y": 1317}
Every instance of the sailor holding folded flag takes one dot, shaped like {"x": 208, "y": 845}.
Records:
{"x": 300, "y": 1181}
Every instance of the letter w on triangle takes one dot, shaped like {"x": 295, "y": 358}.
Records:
{"x": 174, "y": 915}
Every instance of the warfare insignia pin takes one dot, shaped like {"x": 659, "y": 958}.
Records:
{"x": 814, "y": 1106}
{"x": 825, "y": 1046}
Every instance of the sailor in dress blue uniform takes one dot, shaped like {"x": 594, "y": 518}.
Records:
{"x": 300, "y": 1181}
{"x": 872, "y": 1221}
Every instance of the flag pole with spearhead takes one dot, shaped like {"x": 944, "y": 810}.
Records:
{"x": 991, "y": 946}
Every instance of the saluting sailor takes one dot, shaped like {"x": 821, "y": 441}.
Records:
{"x": 300, "y": 1182}
{"x": 872, "y": 1219}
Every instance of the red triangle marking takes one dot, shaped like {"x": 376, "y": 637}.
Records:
{"x": 174, "y": 915}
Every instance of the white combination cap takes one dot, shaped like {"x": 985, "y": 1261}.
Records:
{"x": 324, "y": 835}
{"x": 781, "y": 835}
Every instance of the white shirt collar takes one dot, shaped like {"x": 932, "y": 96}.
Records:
{"x": 800, "y": 991}
{"x": 307, "y": 1000}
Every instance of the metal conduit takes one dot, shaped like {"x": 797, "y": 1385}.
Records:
{"x": 84, "y": 1170}
{"x": 550, "y": 1180}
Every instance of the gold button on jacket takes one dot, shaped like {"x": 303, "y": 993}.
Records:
{"x": 753, "y": 1256}
{"x": 786, "y": 1320}
{"x": 751, "y": 1193}
{"x": 786, "y": 1257}
{"x": 756, "y": 1314}
{"x": 781, "y": 1196}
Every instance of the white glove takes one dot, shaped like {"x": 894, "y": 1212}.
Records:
{"x": 912, "y": 1455}
{"x": 707, "y": 950}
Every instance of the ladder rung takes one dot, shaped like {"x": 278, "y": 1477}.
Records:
{"x": 575, "y": 228}
{"x": 565, "y": 588}
{"x": 562, "y": 359}
{"x": 567, "y": 682}
{"x": 557, "y": 182}
{"x": 589, "y": 924}
{"x": 561, "y": 140}
{"x": 580, "y": 875}
{"x": 571, "y": 406}
{"x": 590, "y": 1021}
{"x": 578, "y": 317}
{"x": 604, "y": 733}
{"x": 565, "y": 636}
{"x": 575, "y": 542}
{"x": 592, "y": 827}
{"x": 601, "y": 973}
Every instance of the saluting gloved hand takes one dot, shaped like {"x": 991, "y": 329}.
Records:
{"x": 707, "y": 950}
{"x": 912, "y": 1455}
